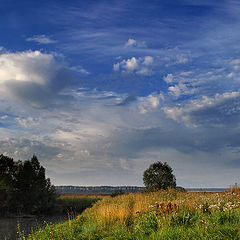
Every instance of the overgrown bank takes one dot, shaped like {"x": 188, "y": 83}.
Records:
{"x": 160, "y": 215}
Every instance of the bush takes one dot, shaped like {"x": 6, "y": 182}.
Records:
{"x": 117, "y": 193}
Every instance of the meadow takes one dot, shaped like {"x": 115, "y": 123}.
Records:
{"x": 158, "y": 215}
{"x": 75, "y": 203}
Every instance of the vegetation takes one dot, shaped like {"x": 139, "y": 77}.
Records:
{"x": 96, "y": 189}
{"x": 24, "y": 187}
{"x": 158, "y": 215}
{"x": 117, "y": 193}
{"x": 74, "y": 203}
{"x": 159, "y": 176}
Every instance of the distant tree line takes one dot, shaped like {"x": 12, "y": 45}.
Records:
{"x": 24, "y": 187}
{"x": 97, "y": 189}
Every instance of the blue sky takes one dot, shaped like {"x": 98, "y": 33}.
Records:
{"x": 99, "y": 90}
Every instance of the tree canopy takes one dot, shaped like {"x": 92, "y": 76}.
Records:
{"x": 24, "y": 186}
{"x": 159, "y": 176}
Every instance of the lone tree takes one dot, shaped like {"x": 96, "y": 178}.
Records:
{"x": 159, "y": 176}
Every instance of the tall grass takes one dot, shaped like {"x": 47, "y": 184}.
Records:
{"x": 75, "y": 203}
{"x": 160, "y": 215}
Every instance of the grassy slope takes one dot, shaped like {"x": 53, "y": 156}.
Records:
{"x": 161, "y": 215}
{"x": 76, "y": 203}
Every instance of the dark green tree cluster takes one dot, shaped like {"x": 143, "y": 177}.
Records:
{"x": 24, "y": 187}
{"x": 159, "y": 176}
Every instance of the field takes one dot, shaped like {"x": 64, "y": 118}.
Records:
{"x": 76, "y": 203}
{"x": 159, "y": 215}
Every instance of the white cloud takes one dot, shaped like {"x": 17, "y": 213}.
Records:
{"x": 41, "y": 39}
{"x": 27, "y": 122}
{"x": 80, "y": 69}
{"x": 134, "y": 43}
{"x": 186, "y": 74}
{"x": 141, "y": 66}
{"x": 131, "y": 42}
{"x": 181, "y": 89}
{"x": 182, "y": 59}
{"x": 131, "y": 64}
{"x": 235, "y": 62}
{"x": 230, "y": 75}
{"x": 145, "y": 71}
{"x": 148, "y": 60}
{"x": 183, "y": 113}
{"x": 4, "y": 117}
{"x": 29, "y": 66}
{"x": 168, "y": 78}
{"x": 33, "y": 76}
{"x": 116, "y": 67}
{"x": 150, "y": 102}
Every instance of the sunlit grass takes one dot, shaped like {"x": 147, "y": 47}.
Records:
{"x": 159, "y": 215}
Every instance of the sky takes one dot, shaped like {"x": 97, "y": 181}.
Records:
{"x": 99, "y": 90}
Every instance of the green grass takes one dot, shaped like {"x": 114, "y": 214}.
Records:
{"x": 154, "y": 216}
{"x": 75, "y": 203}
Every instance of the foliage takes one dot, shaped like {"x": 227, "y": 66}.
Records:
{"x": 7, "y": 177}
{"x": 24, "y": 187}
{"x": 180, "y": 188}
{"x": 153, "y": 216}
{"x": 159, "y": 176}
{"x": 75, "y": 203}
{"x": 117, "y": 193}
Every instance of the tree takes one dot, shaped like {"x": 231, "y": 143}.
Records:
{"x": 33, "y": 191}
{"x": 159, "y": 176}
{"x": 24, "y": 187}
{"x": 7, "y": 177}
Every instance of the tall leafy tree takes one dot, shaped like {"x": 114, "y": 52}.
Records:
{"x": 33, "y": 190}
{"x": 159, "y": 176}
{"x": 7, "y": 177}
{"x": 24, "y": 186}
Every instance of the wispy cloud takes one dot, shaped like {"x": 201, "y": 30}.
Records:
{"x": 41, "y": 39}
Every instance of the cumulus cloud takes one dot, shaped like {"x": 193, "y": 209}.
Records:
{"x": 140, "y": 66}
{"x": 216, "y": 110}
{"x": 26, "y": 67}
{"x": 150, "y": 102}
{"x": 105, "y": 131}
{"x": 95, "y": 135}
{"x": 130, "y": 64}
{"x": 148, "y": 60}
{"x": 168, "y": 78}
{"x": 41, "y": 39}
{"x": 27, "y": 122}
{"x": 33, "y": 76}
{"x": 131, "y": 42}
{"x": 134, "y": 43}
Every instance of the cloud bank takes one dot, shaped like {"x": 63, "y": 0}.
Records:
{"x": 102, "y": 131}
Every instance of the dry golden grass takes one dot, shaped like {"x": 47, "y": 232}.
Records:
{"x": 124, "y": 207}
{"x": 159, "y": 215}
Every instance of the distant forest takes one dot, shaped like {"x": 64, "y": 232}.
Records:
{"x": 97, "y": 189}
{"x": 126, "y": 189}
